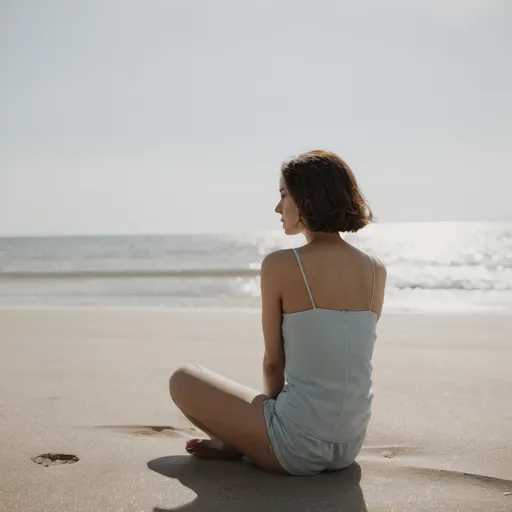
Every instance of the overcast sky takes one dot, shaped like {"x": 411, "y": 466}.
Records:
{"x": 174, "y": 116}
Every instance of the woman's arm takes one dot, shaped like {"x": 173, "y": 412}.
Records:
{"x": 273, "y": 360}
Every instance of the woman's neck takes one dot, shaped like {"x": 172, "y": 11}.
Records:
{"x": 318, "y": 237}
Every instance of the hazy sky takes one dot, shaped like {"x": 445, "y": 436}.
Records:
{"x": 119, "y": 116}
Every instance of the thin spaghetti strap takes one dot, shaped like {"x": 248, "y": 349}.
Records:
{"x": 304, "y": 277}
{"x": 373, "y": 285}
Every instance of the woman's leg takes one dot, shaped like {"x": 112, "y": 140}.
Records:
{"x": 212, "y": 448}
{"x": 227, "y": 411}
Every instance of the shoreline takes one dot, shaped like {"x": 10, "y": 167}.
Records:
{"x": 241, "y": 309}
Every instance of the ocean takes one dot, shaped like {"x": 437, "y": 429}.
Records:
{"x": 438, "y": 267}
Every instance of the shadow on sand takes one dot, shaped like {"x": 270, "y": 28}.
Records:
{"x": 238, "y": 486}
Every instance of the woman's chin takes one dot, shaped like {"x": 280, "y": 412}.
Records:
{"x": 291, "y": 232}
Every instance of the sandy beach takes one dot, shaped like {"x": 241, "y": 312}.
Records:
{"x": 93, "y": 383}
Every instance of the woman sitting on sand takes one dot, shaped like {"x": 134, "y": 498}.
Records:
{"x": 320, "y": 307}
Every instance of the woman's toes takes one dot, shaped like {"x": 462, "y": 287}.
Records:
{"x": 190, "y": 446}
{"x": 211, "y": 449}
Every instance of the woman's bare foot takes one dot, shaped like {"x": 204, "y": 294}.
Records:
{"x": 211, "y": 449}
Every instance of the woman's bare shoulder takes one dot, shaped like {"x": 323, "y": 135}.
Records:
{"x": 379, "y": 264}
{"x": 277, "y": 260}
{"x": 381, "y": 272}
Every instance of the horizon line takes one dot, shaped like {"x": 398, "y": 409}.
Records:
{"x": 230, "y": 233}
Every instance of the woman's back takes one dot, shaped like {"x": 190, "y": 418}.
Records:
{"x": 329, "y": 331}
{"x": 340, "y": 277}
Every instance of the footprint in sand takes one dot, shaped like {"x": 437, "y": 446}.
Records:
{"x": 54, "y": 459}
{"x": 500, "y": 484}
{"x": 153, "y": 430}
{"x": 391, "y": 452}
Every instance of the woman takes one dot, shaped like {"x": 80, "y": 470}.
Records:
{"x": 320, "y": 307}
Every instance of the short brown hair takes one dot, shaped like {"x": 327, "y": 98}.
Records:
{"x": 326, "y": 193}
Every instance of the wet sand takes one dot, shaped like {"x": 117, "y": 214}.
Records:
{"x": 93, "y": 384}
